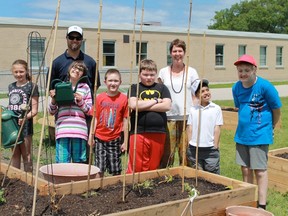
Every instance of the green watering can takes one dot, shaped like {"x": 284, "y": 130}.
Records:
{"x": 10, "y": 129}
{"x": 64, "y": 94}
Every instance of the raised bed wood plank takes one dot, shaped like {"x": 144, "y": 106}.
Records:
{"x": 278, "y": 170}
{"x": 210, "y": 204}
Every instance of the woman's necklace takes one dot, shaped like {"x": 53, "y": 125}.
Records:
{"x": 177, "y": 92}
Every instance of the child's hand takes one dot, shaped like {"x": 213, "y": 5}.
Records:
{"x": 78, "y": 97}
{"x": 91, "y": 141}
{"x": 123, "y": 147}
{"x": 160, "y": 100}
{"x": 52, "y": 93}
{"x": 20, "y": 121}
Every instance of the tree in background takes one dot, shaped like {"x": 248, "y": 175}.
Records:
{"x": 253, "y": 16}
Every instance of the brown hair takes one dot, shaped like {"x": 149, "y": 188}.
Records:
{"x": 112, "y": 71}
{"x": 25, "y": 65}
{"x": 178, "y": 43}
{"x": 80, "y": 65}
{"x": 148, "y": 64}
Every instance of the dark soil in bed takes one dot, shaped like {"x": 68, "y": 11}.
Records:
{"x": 19, "y": 197}
{"x": 283, "y": 155}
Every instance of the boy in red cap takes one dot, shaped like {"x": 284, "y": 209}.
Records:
{"x": 259, "y": 111}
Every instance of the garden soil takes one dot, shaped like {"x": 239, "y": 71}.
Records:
{"x": 19, "y": 197}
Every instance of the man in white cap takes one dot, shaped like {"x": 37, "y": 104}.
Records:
{"x": 60, "y": 65}
{"x": 259, "y": 111}
{"x": 73, "y": 53}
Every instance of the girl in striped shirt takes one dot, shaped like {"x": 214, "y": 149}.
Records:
{"x": 71, "y": 130}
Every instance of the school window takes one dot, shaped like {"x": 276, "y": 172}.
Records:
{"x": 241, "y": 50}
{"x": 109, "y": 53}
{"x": 279, "y": 56}
{"x": 143, "y": 53}
{"x": 219, "y": 55}
{"x": 37, "y": 49}
{"x": 169, "y": 59}
{"x": 263, "y": 56}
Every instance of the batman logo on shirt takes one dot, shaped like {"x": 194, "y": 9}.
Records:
{"x": 149, "y": 94}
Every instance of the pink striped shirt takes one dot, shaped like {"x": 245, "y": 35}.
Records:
{"x": 71, "y": 119}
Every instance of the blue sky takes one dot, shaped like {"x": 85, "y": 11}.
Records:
{"x": 168, "y": 12}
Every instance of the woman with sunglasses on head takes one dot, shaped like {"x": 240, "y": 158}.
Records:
{"x": 173, "y": 76}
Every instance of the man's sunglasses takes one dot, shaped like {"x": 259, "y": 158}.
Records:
{"x": 78, "y": 38}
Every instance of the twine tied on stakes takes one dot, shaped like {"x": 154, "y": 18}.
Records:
{"x": 190, "y": 203}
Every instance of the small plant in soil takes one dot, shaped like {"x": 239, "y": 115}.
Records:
{"x": 55, "y": 203}
{"x": 145, "y": 188}
{"x": 190, "y": 190}
{"x": 2, "y": 196}
{"x": 90, "y": 194}
{"x": 167, "y": 179}
{"x": 230, "y": 187}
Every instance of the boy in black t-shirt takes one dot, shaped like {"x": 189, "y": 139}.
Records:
{"x": 153, "y": 101}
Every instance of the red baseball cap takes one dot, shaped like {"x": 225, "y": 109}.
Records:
{"x": 246, "y": 58}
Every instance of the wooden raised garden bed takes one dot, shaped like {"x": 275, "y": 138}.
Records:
{"x": 278, "y": 170}
{"x": 211, "y": 204}
{"x": 14, "y": 173}
{"x": 241, "y": 193}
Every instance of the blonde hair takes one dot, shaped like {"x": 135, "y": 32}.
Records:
{"x": 148, "y": 64}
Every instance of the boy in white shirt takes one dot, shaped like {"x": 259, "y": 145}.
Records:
{"x": 209, "y": 126}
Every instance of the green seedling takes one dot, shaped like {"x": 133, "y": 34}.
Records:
{"x": 147, "y": 184}
{"x": 190, "y": 190}
{"x": 2, "y": 196}
{"x": 229, "y": 187}
{"x": 167, "y": 178}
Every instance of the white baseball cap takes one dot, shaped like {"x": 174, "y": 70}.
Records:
{"x": 75, "y": 29}
{"x": 196, "y": 84}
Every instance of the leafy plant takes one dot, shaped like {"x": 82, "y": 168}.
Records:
{"x": 147, "y": 184}
{"x": 2, "y": 196}
{"x": 230, "y": 187}
{"x": 145, "y": 188}
{"x": 167, "y": 178}
{"x": 190, "y": 190}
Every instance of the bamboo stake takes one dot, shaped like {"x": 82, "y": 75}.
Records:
{"x": 185, "y": 94}
{"x": 200, "y": 112}
{"x": 36, "y": 81}
{"x": 45, "y": 110}
{"x": 0, "y": 136}
{"x": 137, "y": 93}
{"x": 92, "y": 126}
{"x": 130, "y": 82}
